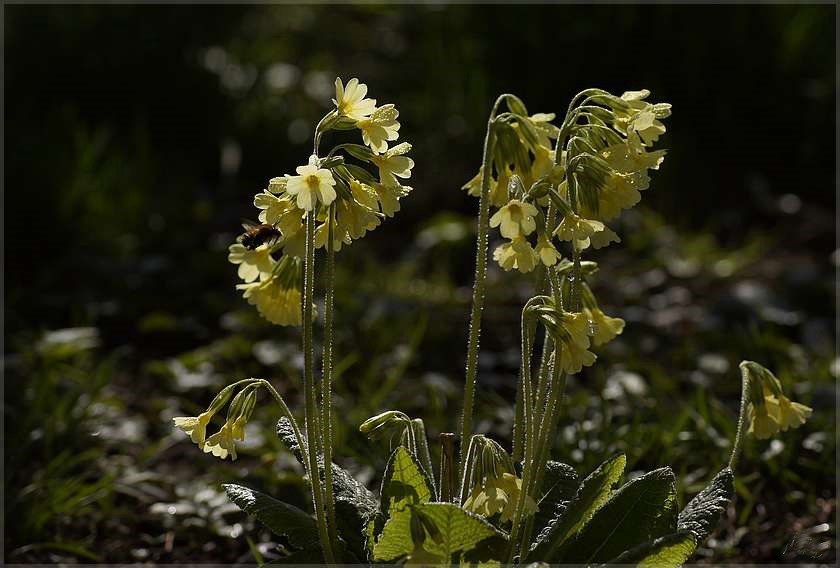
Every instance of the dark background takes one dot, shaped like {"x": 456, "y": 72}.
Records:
{"x": 137, "y": 136}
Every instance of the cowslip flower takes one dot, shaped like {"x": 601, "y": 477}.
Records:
{"x": 606, "y": 327}
{"x": 222, "y": 444}
{"x": 574, "y": 227}
{"x": 272, "y": 208}
{"x": 275, "y": 300}
{"x": 312, "y": 184}
{"x": 770, "y": 411}
{"x": 573, "y": 358}
{"x": 351, "y": 101}
{"x": 640, "y": 116}
{"x": 394, "y": 164}
{"x": 515, "y": 219}
{"x": 499, "y": 193}
{"x": 380, "y": 128}
{"x": 546, "y": 251}
{"x": 498, "y": 496}
{"x": 516, "y": 254}
{"x": 195, "y": 426}
{"x": 253, "y": 264}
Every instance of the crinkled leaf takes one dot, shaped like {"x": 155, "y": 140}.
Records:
{"x": 457, "y": 532}
{"x": 354, "y": 507}
{"x": 281, "y": 518}
{"x": 669, "y": 551}
{"x": 593, "y": 493}
{"x": 641, "y": 510}
{"x": 560, "y": 484}
{"x": 287, "y": 436}
{"x": 702, "y": 513}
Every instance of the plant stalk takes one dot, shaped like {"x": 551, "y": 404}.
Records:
{"x": 310, "y": 416}
{"x": 326, "y": 376}
{"x": 738, "y": 446}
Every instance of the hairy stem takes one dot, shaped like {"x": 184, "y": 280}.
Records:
{"x": 326, "y": 376}
{"x": 310, "y": 407}
{"x": 478, "y": 287}
{"x": 738, "y": 445}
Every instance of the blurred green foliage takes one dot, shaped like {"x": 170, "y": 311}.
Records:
{"x": 137, "y": 136}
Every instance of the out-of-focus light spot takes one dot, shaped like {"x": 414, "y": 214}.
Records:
{"x": 790, "y": 203}
{"x": 231, "y": 157}
{"x": 157, "y": 222}
{"x": 320, "y": 85}
{"x": 215, "y": 59}
{"x": 835, "y": 257}
{"x": 281, "y": 76}
{"x": 238, "y": 78}
{"x": 724, "y": 267}
{"x": 299, "y": 131}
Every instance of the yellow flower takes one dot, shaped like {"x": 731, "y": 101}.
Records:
{"x": 221, "y": 444}
{"x": 515, "y": 219}
{"x": 389, "y": 197}
{"x": 764, "y": 420}
{"x": 574, "y": 227}
{"x": 606, "y": 327}
{"x": 546, "y": 251}
{"x": 573, "y": 358}
{"x": 542, "y": 165}
{"x": 310, "y": 185}
{"x": 253, "y": 264}
{"x": 641, "y": 116}
{"x": 393, "y": 164}
{"x": 194, "y": 426}
{"x": 272, "y": 208}
{"x": 498, "y": 495}
{"x": 354, "y": 219}
{"x": 380, "y": 128}
{"x": 499, "y": 188}
{"x": 516, "y": 254}
{"x": 276, "y": 301}
{"x": 603, "y": 238}
{"x": 277, "y": 185}
{"x": 351, "y": 101}
{"x": 473, "y": 187}
{"x": 792, "y": 414}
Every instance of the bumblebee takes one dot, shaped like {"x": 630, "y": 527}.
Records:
{"x": 257, "y": 234}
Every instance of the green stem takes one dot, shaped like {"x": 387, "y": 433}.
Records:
{"x": 478, "y": 288}
{"x": 738, "y": 446}
{"x": 326, "y": 377}
{"x": 310, "y": 415}
{"x": 447, "y": 466}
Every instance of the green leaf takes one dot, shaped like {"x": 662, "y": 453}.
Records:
{"x": 702, "y": 513}
{"x": 404, "y": 483}
{"x": 357, "y": 151}
{"x": 287, "y": 435}
{"x": 641, "y": 510}
{"x": 354, "y": 507}
{"x": 361, "y": 174}
{"x": 457, "y": 532}
{"x": 668, "y": 551}
{"x": 593, "y": 493}
{"x": 560, "y": 484}
{"x": 281, "y": 518}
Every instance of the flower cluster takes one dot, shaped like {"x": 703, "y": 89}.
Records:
{"x": 555, "y": 184}
{"x": 223, "y": 443}
{"x": 351, "y": 199}
{"x": 769, "y": 410}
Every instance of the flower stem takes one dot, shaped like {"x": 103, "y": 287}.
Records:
{"x": 738, "y": 446}
{"x": 478, "y": 288}
{"x": 310, "y": 410}
{"x": 326, "y": 376}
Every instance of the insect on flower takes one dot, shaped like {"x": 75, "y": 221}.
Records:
{"x": 257, "y": 234}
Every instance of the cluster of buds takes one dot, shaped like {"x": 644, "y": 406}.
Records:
{"x": 347, "y": 199}
{"x": 770, "y": 410}
{"x": 588, "y": 170}
{"x": 223, "y": 443}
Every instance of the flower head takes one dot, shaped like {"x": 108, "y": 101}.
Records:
{"x": 515, "y": 219}
{"x": 351, "y": 101}
{"x": 278, "y": 297}
{"x": 222, "y": 444}
{"x": 606, "y": 327}
{"x": 573, "y": 227}
{"x": 380, "y": 128}
{"x": 498, "y": 496}
{"x": 194, "y": 426}
{"x": 769, "y": 410}
{"x": 394, "y": 164}
{"x": 546, "y": 251}
{"x": 312, "y": 184}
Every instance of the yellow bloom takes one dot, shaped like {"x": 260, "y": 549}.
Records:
{"x": 393, "y": 164}
{"x": 546, "y": 251}
{"x": 221, "y": 444}
{"x": 542, "y": 165}
{"x": 355, "y": 220}
{"x": 277, "y": 185}
{"x": 792, "y": 414}
{"x": 473, "y": 187}
{"x": 499, "y": 188}
{"x": 499, "y": 495}
{"x": 310, "y": 185}
{"x": 603, "y": 238}
{"x": 389, "y": 197}
{"x": 194, "y": 426}
{"x": 764, "y": 420}
{"x": 515, "y": 219}
{"x": 641, "y": 117}
{"x": 573, "y": 358}
{"x": 516, "y": 254}
{"x": 276, "y": 302}
{"x": 575, "y": 227}
{"x": 380, "y": 128}
{"x": 351, "y": 101}
{"x": 606, "y": 327}
{"x": 253, "y": 264}
{"x": 272, "y": 208}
